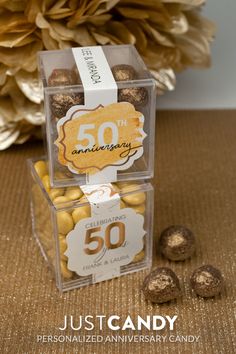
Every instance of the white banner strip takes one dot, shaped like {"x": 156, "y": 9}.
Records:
{"x": 102, "y": 198}
{"x": 96, "y": 75}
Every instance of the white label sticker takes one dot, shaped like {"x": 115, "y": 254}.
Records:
{"x": 102, "y": 198}
{"x": 104, "y": 242}
{"x": 96, "y": 75}
{"x": 110, "y": 238}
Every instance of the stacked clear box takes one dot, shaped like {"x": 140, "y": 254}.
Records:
{"x": 142, "y": 168}
{"x": 59, "y": 203}
{"x": 48, "y": 208}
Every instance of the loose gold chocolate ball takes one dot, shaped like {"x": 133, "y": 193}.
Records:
{"x": 61, "y": 102}
{"x": 207, "y": 281}
{"x": 137, "y": 96}
{"x": 177, "y": 243}
{"x": 161, "y": 285}
{"x": 62, "y": 77}
{"x": 123, "y": 72}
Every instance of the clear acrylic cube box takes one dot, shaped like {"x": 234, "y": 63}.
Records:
{"x": 58, "y": 212}
{"x": 60, "y": 100}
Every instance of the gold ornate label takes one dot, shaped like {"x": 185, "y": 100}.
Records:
{"x": 105, "y": 139}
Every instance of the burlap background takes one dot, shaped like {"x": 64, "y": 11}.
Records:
{"x": 195, "y": 185}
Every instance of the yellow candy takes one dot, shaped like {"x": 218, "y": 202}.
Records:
{"x": 115, "y": 187}
{"x": 64, "y": 222}
{"x": 55, "y": 192}
{"x": 46, "y": 183}
{"x": 41, "y": 168}
{"x": 73, "y": 193}
{"x": 60, "y": 200}
{"x": 59, "y": 175}
{"x": 66, "y": 273}
{"x": 81, "y": 213}
{"x": 134, "y": 198}
{"x": 139, "y": 256}
{"x": 122, "y": 184}
{"x": 140, "y": 209}
{"x": 122, "y": 204}
{"x": 63, "y": 247}
{"x": 128, "y": 187}
{"x": 83, "y": 199}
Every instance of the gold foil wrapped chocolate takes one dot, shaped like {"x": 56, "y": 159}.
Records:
{"x": 171, "y": 35}
{"x": 161, "y": 285}
{"x": 207, "y": 281}
{"x": 177, "y": 243}
{"x": 123, "y": 72}
{"x": 62, "y": 77}
{"x": 61, "y": 103}
{"x": 137, "y": 96}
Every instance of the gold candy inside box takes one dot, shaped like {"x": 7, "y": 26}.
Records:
{"x": 129, "y": 112}
{"x": 57, "y": 211}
